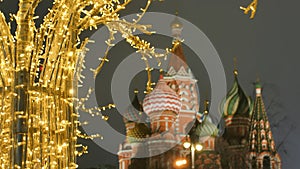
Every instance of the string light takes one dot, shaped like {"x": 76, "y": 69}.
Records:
{"x": 38, "y": 89}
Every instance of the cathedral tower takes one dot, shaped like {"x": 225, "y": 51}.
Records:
{"x": 207, "y": 132}
{"x": 237, "y": 111}
{"x": 180, "y": 78}
{"x": 162, "y": 105}
{"x": 136, "y": 134}
{"x": 263, "y": 154}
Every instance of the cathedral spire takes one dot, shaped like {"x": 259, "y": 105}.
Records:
{"x": 261, "y": 135}
{"x": 177, "y": 61}
{"x": 262, "y": 146}
{"x": 257, "y": 88}
{"x": 235, "y": 71}
{"x": 177, "y": 27}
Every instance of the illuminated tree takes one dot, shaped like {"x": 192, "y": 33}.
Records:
{"x": 39, "y": 70}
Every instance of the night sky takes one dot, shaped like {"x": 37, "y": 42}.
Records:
{"x": 266, "y": 47}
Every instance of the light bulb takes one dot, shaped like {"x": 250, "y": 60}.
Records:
{"x": 186, "y": 144}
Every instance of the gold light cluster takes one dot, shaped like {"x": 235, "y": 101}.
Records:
{"x": 150, "y": 84}
{"x": 39, "y": 71}
{"x": 250, "y": 8}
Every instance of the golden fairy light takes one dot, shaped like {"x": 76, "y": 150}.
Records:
{"x": 39, "y": 71}
{"x": 150, "y": 84}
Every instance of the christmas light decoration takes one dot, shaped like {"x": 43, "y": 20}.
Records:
{"x": 39, "y": 73}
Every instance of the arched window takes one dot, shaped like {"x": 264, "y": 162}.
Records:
{"x": 264, "y": 144}
{"x": 266, "y": 163}
{"x": 262, "y": 124}
{"x": 253, "y": 163}
{"x": 263, "y": 134}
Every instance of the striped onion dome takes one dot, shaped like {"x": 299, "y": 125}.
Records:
{"x": 162, "y": 98}
{"x": 236, "y": 102}
{"x": 134, "y": 112}
{"x": 139, "y": 133}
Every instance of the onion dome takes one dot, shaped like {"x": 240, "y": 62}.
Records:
{"x": 138, "y": 133}
{"x": 134, "y": 111}
{"x": 162, "y": 98}
{"x": 207, "y": 128}
{"x": 236, "y": 102}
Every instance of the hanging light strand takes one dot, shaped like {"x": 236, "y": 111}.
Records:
{"x": 40, "y": 70}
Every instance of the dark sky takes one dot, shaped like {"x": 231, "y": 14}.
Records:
{"x": 266, "y": 47}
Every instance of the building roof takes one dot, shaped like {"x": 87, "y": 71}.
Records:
{"x": 162, "y": 98}
{"x": 177, "y": 59}
{"x": 177, "y": 62}
{"x": 236, "y": 103}
{"x": 207, "y": 128}
{"x": 260, "y": 138}
{"x": 138, "y": 133}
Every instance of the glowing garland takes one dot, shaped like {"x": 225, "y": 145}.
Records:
{"x": 40, "y": 68}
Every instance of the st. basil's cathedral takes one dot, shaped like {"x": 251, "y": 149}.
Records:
{"x": 157, "y": 128}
